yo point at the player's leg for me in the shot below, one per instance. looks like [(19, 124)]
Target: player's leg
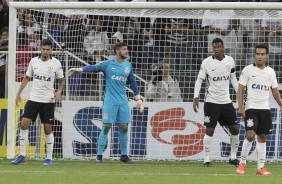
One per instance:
[(29, 114), (46, 113), (123, 118), (264, 128), (228, 117), (212, 112), (109, 115), (251, 120)]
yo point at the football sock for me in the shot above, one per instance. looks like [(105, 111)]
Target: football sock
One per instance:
[(207, 144), (49, 140), (261, 152), (245, 150), (234, 140), (23, 141), (102, 141), (123, 139)]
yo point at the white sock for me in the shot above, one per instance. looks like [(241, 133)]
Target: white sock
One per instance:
[(234, 140), (23, 141), (261, 152), (49, 140), (207, 145), (245, 150)]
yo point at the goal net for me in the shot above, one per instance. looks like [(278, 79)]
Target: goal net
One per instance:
[(167, 43)]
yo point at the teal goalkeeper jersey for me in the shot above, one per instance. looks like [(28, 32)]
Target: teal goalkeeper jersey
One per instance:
[(116, 76)]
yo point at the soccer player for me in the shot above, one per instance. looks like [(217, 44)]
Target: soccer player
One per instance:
[(257, 79), (117, 71), (218, 70), (43, 69)]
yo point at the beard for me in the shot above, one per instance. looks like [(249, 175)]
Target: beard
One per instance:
[(122, 56)]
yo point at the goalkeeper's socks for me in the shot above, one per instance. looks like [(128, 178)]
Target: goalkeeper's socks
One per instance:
[(23, 141), (207, 145), (123, 139), (261, 151), (234, 140), (49, 140), (103, 137), (247, 145)]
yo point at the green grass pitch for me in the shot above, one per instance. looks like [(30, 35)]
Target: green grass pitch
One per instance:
[(141, 172)]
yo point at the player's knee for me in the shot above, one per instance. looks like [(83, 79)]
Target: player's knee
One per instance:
[(250, 136), (210, 131), (25, 123), (261, 138), (234, 130), (106, 128), (123, 129)]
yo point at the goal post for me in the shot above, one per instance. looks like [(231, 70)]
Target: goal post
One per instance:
[(83, 33)]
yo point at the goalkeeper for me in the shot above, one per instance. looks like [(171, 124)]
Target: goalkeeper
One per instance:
[(117, 72)]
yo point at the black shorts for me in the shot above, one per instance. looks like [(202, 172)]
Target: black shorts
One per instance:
[(222, 113), (258, 120), (45, 110)]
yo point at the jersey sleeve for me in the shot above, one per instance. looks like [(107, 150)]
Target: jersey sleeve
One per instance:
[(59, 71), (203, 72), (101, 67), (274, 81), (244, 77), (233, 70), (29, 71)]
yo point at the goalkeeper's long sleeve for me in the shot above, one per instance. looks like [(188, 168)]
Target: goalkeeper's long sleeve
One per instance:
[(90, 68), (134, 87)]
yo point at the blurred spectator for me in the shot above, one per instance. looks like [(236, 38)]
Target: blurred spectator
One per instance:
[(174, 36), (272, 29), (4, 15), (29, 25), (163, 87), (56, 29), (221, 24), (96, 42), (116, 38), (251, 34), (4, 34)]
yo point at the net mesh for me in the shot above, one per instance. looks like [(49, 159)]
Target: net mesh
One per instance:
[(163, 41)]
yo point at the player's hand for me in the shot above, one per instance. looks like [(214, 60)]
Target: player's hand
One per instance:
[(241, 111), (74, 71), (140, 105), (58, 96), (18, 99), (196, 104)]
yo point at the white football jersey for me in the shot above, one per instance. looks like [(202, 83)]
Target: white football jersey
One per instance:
[(258, 82), (44, 74), (217, 74)]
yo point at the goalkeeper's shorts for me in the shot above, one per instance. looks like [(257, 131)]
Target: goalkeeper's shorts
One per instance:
[(116, 114)]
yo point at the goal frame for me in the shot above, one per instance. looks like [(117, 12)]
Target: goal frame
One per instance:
[(13, 6)]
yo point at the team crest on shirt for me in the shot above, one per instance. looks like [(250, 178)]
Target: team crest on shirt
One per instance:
[(49, 69), (206, 119), (250, 122), (105, 116), (126, 70)]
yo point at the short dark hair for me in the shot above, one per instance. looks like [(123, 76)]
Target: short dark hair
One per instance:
[(263, 46), (46, 42), (119, 45), (217, 40)]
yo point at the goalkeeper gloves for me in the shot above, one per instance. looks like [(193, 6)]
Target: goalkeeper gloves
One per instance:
[(140, 105), (74, 71)]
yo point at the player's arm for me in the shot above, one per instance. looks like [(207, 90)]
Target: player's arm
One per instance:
[(22, 86), (134, 87), (90, 68), (61, 84), (277, 97), (197, 89), (240, 99), (233, 80)]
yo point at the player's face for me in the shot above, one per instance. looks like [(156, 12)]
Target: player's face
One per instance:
[(261, 56), (123, 52), (46, 51), (218, 49)]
